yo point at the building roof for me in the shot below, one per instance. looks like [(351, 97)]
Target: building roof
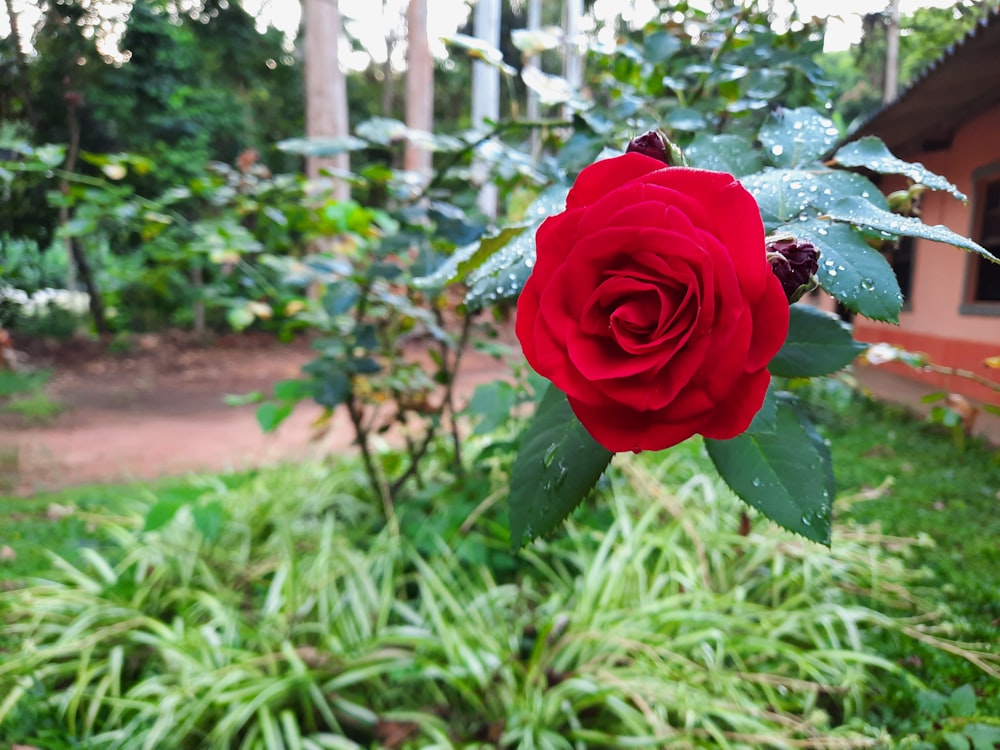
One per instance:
[(962, 83)]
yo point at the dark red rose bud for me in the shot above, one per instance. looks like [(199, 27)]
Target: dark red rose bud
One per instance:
[(651, 143), (795, 263)]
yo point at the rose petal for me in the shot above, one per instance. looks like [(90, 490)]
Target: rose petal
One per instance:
[(603, 176), (621, 430), (733, 415)]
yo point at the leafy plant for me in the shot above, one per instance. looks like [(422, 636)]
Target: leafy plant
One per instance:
[(723, 108), (655, 618)]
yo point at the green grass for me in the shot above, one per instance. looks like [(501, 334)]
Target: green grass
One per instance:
[(287, 583), (930, 487), (23, 393)]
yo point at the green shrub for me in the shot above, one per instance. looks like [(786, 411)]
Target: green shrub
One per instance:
[(286, 613)]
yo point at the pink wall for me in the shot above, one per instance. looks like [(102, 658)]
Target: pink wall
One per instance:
[(933, 323)]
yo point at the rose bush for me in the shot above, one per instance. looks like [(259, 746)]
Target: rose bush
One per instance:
[(652, 306)]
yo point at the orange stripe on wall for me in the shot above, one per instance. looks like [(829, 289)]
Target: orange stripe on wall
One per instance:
[(954, 353)]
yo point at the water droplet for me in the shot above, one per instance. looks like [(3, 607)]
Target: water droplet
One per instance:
[(636, 449), (832, 272), (550, 453), (756, 482), (828, 262), (868, 284), (777, 149), (806, 521)]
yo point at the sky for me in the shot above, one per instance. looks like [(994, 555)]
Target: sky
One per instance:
[(368, 23)]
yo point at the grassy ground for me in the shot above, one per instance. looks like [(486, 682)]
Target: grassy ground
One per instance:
[(929, 486), (932, 487)]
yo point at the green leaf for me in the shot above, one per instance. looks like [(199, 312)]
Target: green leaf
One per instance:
[(782, 475), (871, 153), (983, 736), (797, 136), (955, 741), (332, 389), (292, 390), (660, 46), (556, 467), (239, 317), (787, 194), (482, 51), (685, 118), (493, 403), (962, 701), (850, 270), (818, 343), (723, 153), (502, 276), (321, 146), (163, 512), (467, 259), (382, 130), (862, 213), (242, 399), (766, 420), (209, 519), (931, 703), (271, 414), (822, 447)]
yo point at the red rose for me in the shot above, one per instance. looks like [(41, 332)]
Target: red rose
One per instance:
[(652, 305)]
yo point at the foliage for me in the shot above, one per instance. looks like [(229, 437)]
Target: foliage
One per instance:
[(744, 104), (23, 393), (283, 610), (915, 481), (924, 36)]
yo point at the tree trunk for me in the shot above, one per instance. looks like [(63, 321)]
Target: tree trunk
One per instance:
[(87, 277), (572, 55), (419, 85), (532, 60), (892, 53), (326, 87), (486, 88)]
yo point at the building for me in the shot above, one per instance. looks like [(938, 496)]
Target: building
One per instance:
[(949, 119)]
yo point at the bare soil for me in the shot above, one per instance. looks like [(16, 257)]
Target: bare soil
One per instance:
[(157, 409)]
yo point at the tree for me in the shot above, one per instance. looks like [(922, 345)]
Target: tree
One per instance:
[(419, 84), (326, 85)]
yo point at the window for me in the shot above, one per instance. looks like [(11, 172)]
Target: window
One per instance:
[(983, 280), (900, 257)]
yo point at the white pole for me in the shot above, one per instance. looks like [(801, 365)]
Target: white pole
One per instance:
[(486, 88), (572, 53)]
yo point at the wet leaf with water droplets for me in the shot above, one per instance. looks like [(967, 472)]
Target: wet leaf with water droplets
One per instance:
[(818, 344), (557, 465), (862, 213), (467, 259), (850, 270), (786, 194), (502, 276), (782, 474), (798, 136), (871, 153), (723, 153)]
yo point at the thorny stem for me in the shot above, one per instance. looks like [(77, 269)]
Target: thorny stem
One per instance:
[(497, 130), (449, 390), (958, 372)]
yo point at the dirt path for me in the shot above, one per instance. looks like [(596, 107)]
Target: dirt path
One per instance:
[(158, 410)]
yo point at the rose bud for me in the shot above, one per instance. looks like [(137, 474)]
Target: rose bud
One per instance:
[(795, 263), (652, 144)]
